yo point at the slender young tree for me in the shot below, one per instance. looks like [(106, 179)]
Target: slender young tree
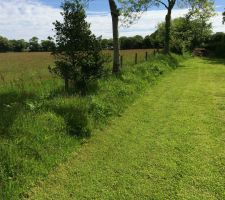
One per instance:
[(77, 54), (115, 13)]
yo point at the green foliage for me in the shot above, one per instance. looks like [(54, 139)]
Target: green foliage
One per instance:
[(200, 10), (186, 34), (168, 145), (216, 45), (21, 45), (157, 37), (34, 46), (78, 52), (106, 43), (18, 45), (4, 44), (40, 126), (131, 10), (126, 43), (74, 112), (135, 42), (37, 142), (113, 98), (48, 45)]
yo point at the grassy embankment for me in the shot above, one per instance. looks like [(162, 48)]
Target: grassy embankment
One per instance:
[(39, 124), (169, 144)]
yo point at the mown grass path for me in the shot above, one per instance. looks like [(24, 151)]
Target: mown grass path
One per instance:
[(169, 145)]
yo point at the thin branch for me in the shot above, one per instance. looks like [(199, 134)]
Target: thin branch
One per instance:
[(162, 3)]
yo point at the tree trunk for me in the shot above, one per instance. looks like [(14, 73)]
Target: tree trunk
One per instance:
[(66, 84), (167, 31), (116, 46)]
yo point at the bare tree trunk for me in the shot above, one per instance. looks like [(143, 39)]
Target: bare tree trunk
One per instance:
[(167, 31), (66, 84), (116, 46)]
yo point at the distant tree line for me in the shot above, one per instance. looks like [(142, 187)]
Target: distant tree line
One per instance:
[(135, 42), (186, 33), (185, 37), (33, 45)]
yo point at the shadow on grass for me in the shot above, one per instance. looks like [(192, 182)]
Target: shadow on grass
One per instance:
[(74, 113), (79, 90), (215, 61), (11, 105), (75, 117), (14, 155)]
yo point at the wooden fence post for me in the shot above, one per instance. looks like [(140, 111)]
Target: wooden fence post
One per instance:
[(136, 56), (146, 56)]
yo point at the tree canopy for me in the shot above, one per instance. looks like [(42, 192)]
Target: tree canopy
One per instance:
[(186, 34), (216, 44), (132, 8), (4, 44)]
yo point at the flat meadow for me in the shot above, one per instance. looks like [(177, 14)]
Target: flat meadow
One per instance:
[(27, 72), (14, 66), (40, 125)]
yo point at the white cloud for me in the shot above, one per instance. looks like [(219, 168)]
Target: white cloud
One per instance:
[(217, 23), (101, 24), (27, 18)]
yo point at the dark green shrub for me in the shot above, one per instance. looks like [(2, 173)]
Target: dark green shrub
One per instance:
[(177, 46), (216, 45), (78, 52)]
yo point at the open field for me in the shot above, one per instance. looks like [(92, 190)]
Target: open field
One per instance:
[(15, 66), (24, 65)]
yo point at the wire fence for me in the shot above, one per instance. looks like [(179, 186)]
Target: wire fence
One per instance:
[(134, 56)]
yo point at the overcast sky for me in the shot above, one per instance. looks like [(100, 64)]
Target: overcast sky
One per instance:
[(22, 19)]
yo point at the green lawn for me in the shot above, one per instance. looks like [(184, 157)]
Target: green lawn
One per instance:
[(170, 144)]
